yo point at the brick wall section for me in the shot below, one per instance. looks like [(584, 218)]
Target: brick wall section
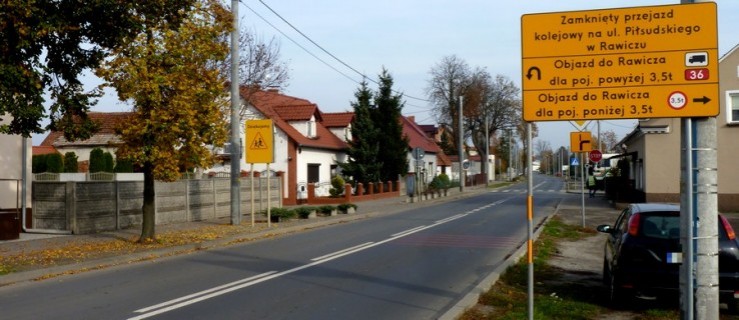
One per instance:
[(362, 193)]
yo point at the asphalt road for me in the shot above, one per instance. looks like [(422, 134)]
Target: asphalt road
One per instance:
[(412, 265)]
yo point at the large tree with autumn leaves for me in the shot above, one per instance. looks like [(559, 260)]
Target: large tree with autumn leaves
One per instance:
[(170, 76)]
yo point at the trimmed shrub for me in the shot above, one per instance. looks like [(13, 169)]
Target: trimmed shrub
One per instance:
[(108, 160), (337, 186), (283, 213), (304, 212), (38, 163), (97, 160), (123, 165), (327, 209), (54, 163), (70, 162), (344, 207), (440, 182)]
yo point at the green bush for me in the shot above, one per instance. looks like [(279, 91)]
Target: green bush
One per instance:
[(337, 186), (70, 162), (108, 160), (327, 209), (304, 212), (54, 163), (440, 182), (283, 213), (38, 163), (97, 160), (344, 207), (123, 165)]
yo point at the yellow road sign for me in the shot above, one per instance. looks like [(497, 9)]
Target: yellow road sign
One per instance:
[(641, 62), (580, 141), (259, 141)]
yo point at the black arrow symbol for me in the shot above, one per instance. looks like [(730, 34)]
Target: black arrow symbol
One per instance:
[(538, 73), (704, 99)]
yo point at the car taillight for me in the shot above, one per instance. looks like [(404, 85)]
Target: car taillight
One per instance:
[(634, 225), (727, 227)]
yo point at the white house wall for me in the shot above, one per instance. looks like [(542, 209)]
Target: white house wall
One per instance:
[(11, 164), (325, 158), (429, 163), (341, 133)]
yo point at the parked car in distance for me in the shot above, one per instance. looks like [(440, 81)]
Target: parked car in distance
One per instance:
[(640, 249)]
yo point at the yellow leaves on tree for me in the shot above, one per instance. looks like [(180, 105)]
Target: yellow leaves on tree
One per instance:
[(176, 91), (170, 76)]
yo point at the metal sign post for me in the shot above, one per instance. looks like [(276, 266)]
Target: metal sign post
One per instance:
[(260, 144)]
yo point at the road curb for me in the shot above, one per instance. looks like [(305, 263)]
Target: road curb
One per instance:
[(472, 297)]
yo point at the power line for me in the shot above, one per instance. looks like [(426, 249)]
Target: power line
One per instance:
[(297, 44), (327, 52)]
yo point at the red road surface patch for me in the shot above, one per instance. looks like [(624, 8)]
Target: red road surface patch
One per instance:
[(457, 241)]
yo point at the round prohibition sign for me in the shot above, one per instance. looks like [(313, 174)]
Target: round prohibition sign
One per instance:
[(677, 100)]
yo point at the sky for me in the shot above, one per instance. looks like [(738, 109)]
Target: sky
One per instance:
[(408, 38)]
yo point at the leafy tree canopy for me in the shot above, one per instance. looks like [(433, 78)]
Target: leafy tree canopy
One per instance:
[(47, 44), (170, 77)]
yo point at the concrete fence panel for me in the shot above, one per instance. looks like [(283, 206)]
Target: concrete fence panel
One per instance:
[(94, 206)]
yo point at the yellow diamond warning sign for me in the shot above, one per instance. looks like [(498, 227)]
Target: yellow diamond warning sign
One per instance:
[(624, 63), (259, 137)]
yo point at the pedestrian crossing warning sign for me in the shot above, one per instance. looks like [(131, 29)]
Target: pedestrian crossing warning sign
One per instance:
[(259, 136), (258, 143), (575, 162)]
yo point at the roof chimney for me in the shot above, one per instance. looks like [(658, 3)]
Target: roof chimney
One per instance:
[(412, 119)]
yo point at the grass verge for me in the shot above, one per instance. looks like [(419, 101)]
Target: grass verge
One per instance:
[(554, 298)]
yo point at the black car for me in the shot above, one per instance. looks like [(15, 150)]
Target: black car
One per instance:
[(639, 252)]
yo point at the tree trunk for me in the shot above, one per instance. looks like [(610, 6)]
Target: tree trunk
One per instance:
[(148, 222)]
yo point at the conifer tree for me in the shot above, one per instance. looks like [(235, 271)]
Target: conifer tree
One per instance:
[(362, 164), (70, 162), (386, 115)]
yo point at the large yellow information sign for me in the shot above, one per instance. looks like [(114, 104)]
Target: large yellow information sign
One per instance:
[(641, 62), (259, 141)]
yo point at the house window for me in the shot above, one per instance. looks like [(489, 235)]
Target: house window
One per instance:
[(732, 106), (314, 172), (312, 128)]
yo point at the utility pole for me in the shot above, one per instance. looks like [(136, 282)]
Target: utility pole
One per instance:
[(460, 152), (699, 238), (235, 128), (510, 154), (487, 151)]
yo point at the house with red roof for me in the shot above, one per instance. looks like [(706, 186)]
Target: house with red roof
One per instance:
[(340, 124), (434, 161), (306, 150), (308, 144), (105, 139)]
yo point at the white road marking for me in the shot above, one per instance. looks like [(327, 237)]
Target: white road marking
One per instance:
[(341, 251), (247, 282)]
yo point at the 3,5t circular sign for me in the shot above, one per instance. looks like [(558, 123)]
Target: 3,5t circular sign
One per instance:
[(677, 100)]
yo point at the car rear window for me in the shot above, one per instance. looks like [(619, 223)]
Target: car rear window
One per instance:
[(661, 226)]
